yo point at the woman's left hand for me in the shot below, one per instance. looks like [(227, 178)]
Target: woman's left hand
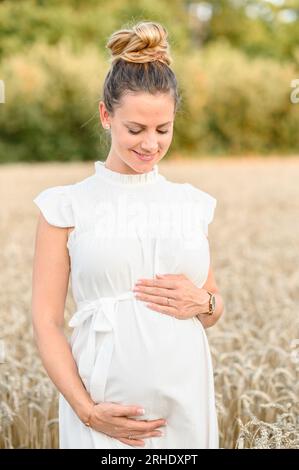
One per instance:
[(185, 299)]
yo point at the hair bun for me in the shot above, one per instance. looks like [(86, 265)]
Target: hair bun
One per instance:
[(144, 42)]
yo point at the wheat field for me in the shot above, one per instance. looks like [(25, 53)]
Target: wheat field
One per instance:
[(255, 257)]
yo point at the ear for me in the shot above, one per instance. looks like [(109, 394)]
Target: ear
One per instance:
[(104, 115)]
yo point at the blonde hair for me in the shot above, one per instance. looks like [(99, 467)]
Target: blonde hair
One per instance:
[(140, 62), (145, 42)]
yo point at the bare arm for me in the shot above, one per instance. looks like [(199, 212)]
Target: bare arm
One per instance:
[(50, 278)]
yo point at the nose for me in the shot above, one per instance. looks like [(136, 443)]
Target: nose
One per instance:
[(150, 146)]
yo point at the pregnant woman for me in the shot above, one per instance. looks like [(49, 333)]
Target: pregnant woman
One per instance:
[(137, 370)]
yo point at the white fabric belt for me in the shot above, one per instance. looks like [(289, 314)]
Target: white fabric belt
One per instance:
[(93, 365)]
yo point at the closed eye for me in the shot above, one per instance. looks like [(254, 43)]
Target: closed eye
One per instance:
[(160, 132)]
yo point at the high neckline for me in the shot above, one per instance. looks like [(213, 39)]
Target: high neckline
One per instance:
[(115, 177)]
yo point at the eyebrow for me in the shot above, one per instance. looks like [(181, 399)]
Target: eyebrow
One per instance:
[(142, 125)]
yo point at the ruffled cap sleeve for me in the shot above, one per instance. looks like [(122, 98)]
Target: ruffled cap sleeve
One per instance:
[(205, 204), (56, 206)]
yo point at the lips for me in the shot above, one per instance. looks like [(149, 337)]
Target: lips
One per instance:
[(145, 157)]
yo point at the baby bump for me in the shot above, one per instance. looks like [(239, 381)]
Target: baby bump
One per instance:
[(157, 360)]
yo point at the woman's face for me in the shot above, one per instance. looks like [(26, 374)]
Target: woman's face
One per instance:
[(143, 124)]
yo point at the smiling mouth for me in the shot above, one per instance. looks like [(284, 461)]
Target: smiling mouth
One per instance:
[(145, 155)]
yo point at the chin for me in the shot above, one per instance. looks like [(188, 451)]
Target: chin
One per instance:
[(141, 168)]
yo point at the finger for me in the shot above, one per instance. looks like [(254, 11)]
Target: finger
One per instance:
[(148, 434), (168, 274), (134, 426), (144, 426), (171, 276), (158, 291), (138, 438), (169, 308), (132, 442), (157, 299), (120, 410), (168, 283)]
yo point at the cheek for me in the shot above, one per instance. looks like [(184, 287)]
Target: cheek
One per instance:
[(168, 139), (125, 139)]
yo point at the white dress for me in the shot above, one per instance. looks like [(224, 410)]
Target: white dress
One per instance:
[(129, 227)]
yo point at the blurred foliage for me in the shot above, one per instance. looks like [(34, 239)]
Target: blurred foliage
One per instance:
[(51, 101), (26, 22), (234, 73), (257, 27), (254, 26), (235, 104)]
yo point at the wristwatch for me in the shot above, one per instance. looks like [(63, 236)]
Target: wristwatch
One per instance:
[(212, 304)]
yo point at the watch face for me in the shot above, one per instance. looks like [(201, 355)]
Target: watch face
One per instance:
[(213, 300)]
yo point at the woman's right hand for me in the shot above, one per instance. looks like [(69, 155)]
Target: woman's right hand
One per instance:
[(114, 420)]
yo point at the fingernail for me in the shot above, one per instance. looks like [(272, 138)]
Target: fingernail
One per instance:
[(141, 411)]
